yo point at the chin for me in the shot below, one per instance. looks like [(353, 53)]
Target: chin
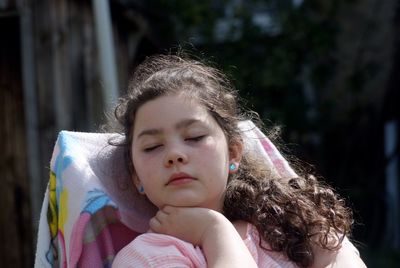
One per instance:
[(186, 202)]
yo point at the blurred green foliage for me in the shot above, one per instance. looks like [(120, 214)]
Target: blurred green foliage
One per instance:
[(269, 63)]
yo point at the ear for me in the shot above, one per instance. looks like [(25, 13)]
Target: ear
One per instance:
[(137, 183), (235, 154)]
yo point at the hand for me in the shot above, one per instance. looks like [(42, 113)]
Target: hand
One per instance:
[(192, 224), (221, 243)]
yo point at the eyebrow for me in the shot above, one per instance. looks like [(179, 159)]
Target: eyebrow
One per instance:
[(156, 131)]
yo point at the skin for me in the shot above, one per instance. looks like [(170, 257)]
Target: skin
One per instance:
[(174, 135)]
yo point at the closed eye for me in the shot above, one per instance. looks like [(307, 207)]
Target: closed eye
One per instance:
[(151, 148), (197, 138)]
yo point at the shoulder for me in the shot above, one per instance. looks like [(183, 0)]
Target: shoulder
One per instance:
[(158, 250), (346, 256)]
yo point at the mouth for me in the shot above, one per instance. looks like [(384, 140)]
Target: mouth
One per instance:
[(179, 178)]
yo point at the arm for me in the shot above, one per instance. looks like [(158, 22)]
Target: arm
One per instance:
[(221, 243), (346, 257)]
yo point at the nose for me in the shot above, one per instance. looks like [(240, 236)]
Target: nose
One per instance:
[(175, 156)]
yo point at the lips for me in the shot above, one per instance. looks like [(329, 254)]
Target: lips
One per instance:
[(179, 178)]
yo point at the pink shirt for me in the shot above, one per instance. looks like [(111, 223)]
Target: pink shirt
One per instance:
[(164, 251)]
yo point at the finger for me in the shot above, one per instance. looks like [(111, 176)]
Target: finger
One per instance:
[(168, 209), (161, 216), (155, 225)]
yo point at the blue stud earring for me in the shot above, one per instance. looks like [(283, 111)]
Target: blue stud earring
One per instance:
[(232, 167), (141, 189)]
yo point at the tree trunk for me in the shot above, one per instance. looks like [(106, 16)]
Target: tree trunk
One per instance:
[(15, 218)]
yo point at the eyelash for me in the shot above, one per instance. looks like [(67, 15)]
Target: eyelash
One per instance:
[(198, 138), (148, 150), (194, 139)]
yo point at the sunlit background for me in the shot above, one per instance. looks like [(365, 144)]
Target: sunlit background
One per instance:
[(327, 72)]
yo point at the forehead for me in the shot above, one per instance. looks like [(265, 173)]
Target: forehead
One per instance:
[(167, 111)]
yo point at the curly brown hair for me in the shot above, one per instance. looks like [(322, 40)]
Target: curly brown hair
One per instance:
[(292, 215)]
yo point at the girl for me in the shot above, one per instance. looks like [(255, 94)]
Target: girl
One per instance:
[(218, 205)]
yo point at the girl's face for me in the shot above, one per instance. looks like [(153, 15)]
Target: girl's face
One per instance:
[(180, 154)]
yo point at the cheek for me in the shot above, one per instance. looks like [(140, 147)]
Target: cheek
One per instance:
[(215, 161), (144, 165), (215, 152)]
